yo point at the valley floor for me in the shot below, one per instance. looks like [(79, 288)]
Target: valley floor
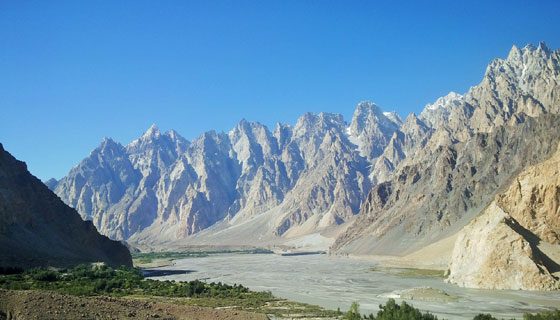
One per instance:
[(335, 282)]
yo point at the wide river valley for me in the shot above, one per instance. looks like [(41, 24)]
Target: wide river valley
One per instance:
[(334, 282)]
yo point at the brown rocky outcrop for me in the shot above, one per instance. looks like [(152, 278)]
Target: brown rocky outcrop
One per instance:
[(500, 248)]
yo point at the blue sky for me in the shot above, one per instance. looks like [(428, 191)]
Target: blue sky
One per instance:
[(73, 72)]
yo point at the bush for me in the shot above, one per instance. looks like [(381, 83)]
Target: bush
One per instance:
[(354, 312), (546, 315), (392, 311), (43, 275)]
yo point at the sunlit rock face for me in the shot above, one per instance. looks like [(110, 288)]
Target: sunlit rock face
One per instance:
[(501, 248), (162, 187), (442, 168)]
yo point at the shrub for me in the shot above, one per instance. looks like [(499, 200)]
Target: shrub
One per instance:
[(392, 311), (546, 315), (354, 312), (43, 275)]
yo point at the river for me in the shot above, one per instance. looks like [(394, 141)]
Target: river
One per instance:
[(334, 282)]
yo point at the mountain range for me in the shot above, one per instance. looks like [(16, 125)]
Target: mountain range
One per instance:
[(375, 185)]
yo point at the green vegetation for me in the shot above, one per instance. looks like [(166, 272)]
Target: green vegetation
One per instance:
[(354, 312), (102, 280), (390, 311), (393, 311), (86, 280), (546, 315), (149, 257), (484, 316)]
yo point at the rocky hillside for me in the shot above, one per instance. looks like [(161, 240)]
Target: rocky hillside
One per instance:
[(38, 229), (512, 244), (444, 166)]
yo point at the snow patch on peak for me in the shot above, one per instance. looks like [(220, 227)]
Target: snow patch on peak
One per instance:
[(445, 101), (393, 116)]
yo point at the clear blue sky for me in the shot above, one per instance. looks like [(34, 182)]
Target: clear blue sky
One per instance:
[(73, 72)]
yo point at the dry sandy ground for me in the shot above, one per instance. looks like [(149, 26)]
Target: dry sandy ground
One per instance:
[(49, 305), (434, 257)]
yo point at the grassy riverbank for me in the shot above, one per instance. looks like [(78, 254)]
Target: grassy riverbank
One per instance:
[(100, 280)]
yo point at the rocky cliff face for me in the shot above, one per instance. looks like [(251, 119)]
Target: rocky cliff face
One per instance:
[(500, 248), (464, 149), (495, 252), (38, 229)]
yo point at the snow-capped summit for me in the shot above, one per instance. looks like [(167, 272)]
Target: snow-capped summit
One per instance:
[(446, 101), (437, 113)]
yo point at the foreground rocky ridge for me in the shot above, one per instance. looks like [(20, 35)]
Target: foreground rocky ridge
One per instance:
[(38, 229), (501, 249)]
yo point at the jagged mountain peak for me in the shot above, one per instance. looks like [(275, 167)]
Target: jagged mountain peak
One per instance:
[(369, 114), (367, 107), (244, 125), (108, 145), (540, 48), (318, 122), (371, 129), (411, 118), (522, 60), (154, 136), (153, 131), (367, 110)]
